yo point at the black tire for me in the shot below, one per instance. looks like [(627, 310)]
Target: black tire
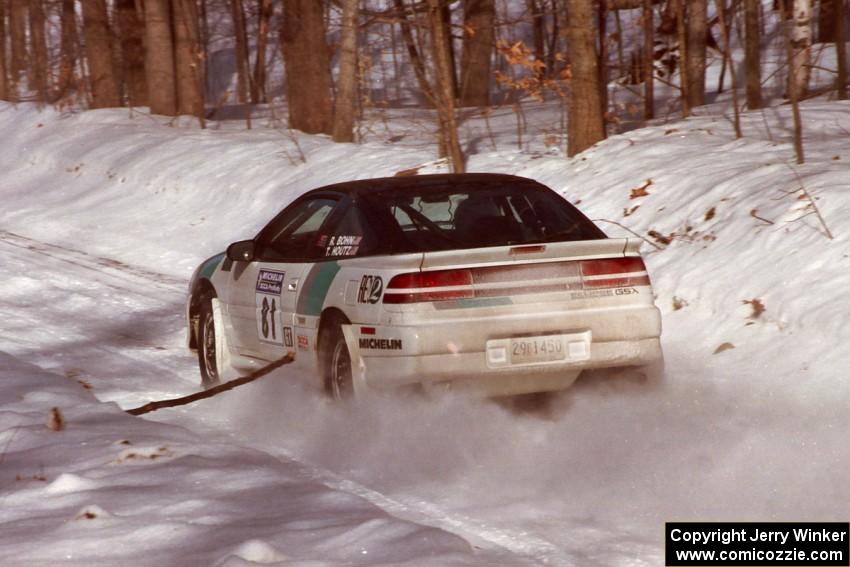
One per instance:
[(336, 363), (207, 346)]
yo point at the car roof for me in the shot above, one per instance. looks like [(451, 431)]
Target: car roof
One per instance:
[(379, 184)]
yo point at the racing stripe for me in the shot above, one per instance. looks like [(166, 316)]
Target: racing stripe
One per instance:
[(315, 287), (209, 266)]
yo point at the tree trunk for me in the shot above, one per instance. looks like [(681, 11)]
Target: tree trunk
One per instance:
[(585, 124), (18, 44), (841, 55), (159, 58), (449, 142), (346, 91), (788, 25), (683, 57), (695, 62), (826, 20), (38, 42), (413, 53), (305, 54), (801, 48), (475, 67), (187, 59), (3, 73), (753, 53), (69, 49), (258, 85), (539, 31), (104, 86), (243, 77), (648, 61), (131, 31), (446, 16), (727, 57)]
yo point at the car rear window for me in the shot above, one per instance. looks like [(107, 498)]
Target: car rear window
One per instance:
[(432, 218)]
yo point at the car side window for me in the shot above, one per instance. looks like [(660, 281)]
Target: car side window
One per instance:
[(293, 235), (352, 236)]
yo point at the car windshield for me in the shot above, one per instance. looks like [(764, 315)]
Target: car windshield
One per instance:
[(433, 218)]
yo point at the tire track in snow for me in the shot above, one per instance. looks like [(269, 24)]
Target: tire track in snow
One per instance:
[(512, 546)]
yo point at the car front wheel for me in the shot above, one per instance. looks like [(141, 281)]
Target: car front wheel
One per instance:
[(207, 346)]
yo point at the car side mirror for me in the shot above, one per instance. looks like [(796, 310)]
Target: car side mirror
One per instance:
[(242, 251)]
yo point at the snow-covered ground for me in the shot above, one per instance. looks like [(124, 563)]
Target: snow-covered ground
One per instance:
[(106, 213)]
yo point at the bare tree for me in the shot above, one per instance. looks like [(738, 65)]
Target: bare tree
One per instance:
[(449, 141), (826, 20), (159, 58), (585, 124), (683, 56), (346, 91), (695, 62), (131, 33), (476, 60), (841, 49), (243, 75), (801, 46), (307, 60), (258, 85), (102, 80), (648, 61), (752, 53), (38, 42), (3, 80), (788, 33), (413, 52), (18, 44), (727, 58), (69, 49), (187, 60)]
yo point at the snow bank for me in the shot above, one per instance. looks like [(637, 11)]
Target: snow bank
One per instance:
[(108, 489)]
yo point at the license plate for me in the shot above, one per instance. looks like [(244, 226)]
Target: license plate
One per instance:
[(527, 350), (519, 351)]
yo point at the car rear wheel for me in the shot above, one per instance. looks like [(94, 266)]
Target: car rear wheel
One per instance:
[(207, 345), (336, 364)]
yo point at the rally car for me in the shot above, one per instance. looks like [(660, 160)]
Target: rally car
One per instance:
[(483, 282)]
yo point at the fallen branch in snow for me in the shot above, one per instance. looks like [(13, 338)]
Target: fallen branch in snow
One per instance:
[(631, 231), (815, 208), (159, 404)]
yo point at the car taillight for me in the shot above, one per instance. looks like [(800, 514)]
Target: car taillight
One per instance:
[(440, 285), (614, 272)]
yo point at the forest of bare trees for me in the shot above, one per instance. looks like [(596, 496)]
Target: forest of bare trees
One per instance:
[(319, 56)]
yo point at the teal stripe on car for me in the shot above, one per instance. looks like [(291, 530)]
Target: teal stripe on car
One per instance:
[(208, 267), (315, 288), (468, 303)]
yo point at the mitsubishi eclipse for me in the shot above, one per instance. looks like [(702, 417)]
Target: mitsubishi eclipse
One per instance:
[(484, 282)]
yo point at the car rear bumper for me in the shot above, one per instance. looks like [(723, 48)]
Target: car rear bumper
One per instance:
[(457, 351)]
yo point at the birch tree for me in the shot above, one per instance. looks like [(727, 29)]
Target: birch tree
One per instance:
[(799, 69)]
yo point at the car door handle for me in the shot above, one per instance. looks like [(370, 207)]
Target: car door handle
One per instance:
[(292, 285)]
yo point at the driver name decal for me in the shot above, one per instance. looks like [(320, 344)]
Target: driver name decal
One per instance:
[(343, 246)]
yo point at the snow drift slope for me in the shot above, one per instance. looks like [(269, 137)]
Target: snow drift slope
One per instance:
[(751, 432)]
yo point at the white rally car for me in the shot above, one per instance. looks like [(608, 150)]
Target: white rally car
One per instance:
[(486, 282)]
